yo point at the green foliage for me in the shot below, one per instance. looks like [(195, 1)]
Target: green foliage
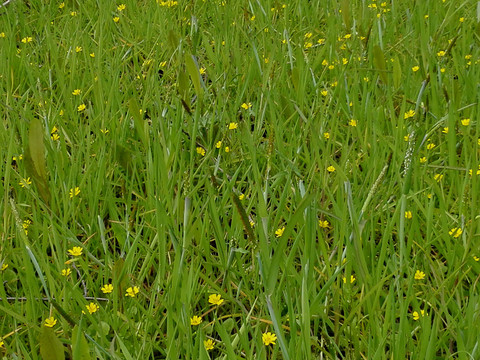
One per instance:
[(313, 163)]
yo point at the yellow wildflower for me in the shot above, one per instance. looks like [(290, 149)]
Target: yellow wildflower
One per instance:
[(209, 344), (50, 322), (215, 299), (456, 232), (74, 192), (107, 288), (279, 232), (269, 338), (92, 307), (75, 251), (132, 291), (419, 275), (195, 320)]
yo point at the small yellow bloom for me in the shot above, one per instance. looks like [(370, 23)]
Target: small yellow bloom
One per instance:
[(430, 146), (331, 67), (269, 338), (27, 39), (107, 288), (25, 182), (246, 106), (441, 53), (279, 232), (78, 49), (445, 130), (227, 149), (408, 214), (438, 177), (81, 107), (4, 266), (73, 13), (331, 168), (415, 68), (456, 232), (326, 135), (462, 19), (324, 92), (202, 71), (423, 160), (218, 145), (323, 223), (409, 114), (116, 19), (76, 251), (76, 92), (241, 197), (352, 279), (50, 322), (104, 131), (465, 122), (476, 258), (352, 122), (416, 315), (201, 151), (66, 272), (195, 320), (121, 7), (74, 192), (132, 291), (2, 34), (215, 299), (419, 275), (92, 54), (209, 344), (232, 126), (92, 307)]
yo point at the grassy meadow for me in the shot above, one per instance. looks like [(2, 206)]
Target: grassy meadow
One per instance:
[(225, 179)]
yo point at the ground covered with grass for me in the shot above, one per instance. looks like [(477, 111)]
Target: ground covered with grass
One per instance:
[(240, 179)]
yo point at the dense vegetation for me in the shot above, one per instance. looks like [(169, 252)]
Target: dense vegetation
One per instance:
[(240, 179)]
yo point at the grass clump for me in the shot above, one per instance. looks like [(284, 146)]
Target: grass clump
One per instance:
[(251, 180)]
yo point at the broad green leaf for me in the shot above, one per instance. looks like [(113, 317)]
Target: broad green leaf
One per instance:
[(379, 61), (347, 19), (183, 87), (124, 157), (397, 73), (194, 74), (173, 39), (140, 124), (51, 347), (35, 159), (80, 348), (295, 78)]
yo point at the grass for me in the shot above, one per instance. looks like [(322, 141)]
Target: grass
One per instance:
[(313, 163)]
